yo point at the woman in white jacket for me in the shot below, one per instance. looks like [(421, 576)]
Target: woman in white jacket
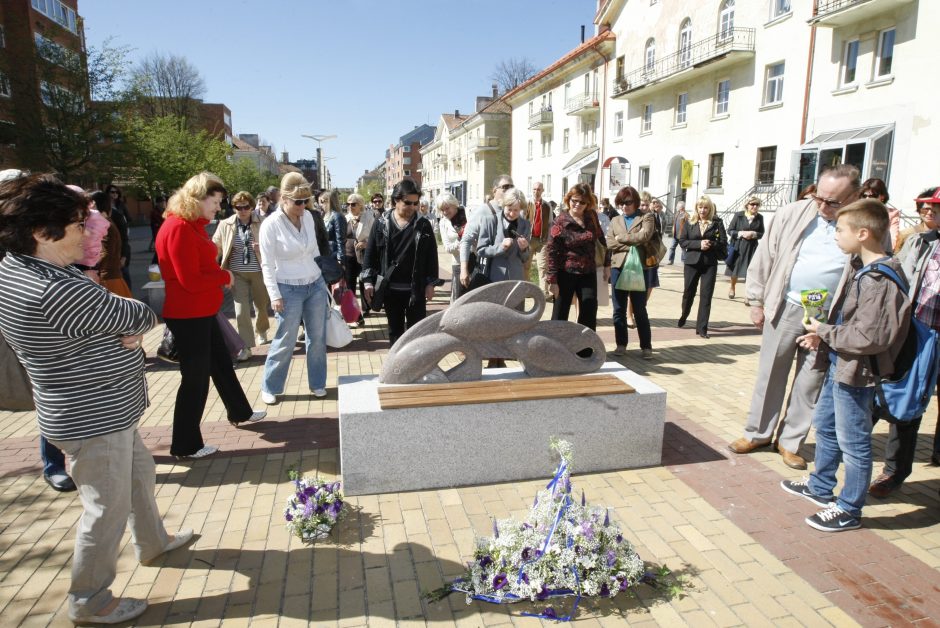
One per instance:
[(359, 220), (452, 223)]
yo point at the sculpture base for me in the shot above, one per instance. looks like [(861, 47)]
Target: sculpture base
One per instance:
[(408, 449)]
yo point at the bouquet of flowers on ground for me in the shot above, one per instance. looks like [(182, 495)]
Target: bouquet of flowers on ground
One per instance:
[(562, 548), (314, 508)]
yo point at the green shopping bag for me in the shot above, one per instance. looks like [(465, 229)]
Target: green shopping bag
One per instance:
[(631, 275)]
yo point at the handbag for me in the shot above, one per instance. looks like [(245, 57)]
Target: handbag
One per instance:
[(167, 349), (655, 251), (632, 278), (481, 273), (331, 269), (17, 390), (732, 257), (600, 248), (381, 281), (347, 304), (338, 334), (233, 342)]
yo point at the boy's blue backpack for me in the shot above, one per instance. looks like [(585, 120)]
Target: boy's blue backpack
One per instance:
[(904, 395)]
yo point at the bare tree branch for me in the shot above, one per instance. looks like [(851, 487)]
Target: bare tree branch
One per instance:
[(511, 73), (168, 85)]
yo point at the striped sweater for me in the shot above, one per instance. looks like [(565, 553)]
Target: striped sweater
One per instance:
[(66, 330)]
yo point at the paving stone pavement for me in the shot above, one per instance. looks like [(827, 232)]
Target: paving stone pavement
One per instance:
[(718, 519)]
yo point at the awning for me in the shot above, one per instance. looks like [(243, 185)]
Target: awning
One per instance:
[(615, 159), (584, 157), (848, 135)]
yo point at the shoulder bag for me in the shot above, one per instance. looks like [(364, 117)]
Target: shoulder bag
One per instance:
[(480, 275), (381, 281)]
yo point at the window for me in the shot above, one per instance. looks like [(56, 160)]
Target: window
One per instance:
[(620, 68), (406, 161), (5, 86), (548, 182), (722, 96), (685, 43), (3, 37), (567, 90), (404, 149), (726, 20), (618, 125), (407, 173), (529, 184), (779, 8), (885, 53), (646, 122), (546, 145), (766, 164), (531, 108), (682, 101), (716, 164), (46, 93), (849, 62), (564, 140), (773, 92), (650, 55), (57, 11), (530, 149), (643, 177)]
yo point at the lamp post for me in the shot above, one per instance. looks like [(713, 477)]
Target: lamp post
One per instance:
[(319, 139)]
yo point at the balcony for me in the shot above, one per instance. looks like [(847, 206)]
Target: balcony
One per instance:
[(836, 13), (485, 144), (583, 105), (721, 49), (541, 120)]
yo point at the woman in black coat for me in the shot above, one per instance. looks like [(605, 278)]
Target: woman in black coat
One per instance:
[(704, 241), (404, 237), (746, 228)]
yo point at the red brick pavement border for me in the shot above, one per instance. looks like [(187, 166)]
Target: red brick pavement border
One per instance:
[(869, 578)]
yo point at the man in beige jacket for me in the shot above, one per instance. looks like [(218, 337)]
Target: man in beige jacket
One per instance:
[(797, 253)]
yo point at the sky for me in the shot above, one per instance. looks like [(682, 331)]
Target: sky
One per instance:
[(367, 71)]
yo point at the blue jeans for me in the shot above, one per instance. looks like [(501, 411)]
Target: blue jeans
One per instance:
[(53, 460), (301, 303), (843, 435), (619, 301)]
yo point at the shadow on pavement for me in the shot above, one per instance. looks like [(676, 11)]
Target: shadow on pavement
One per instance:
[(680, 447)]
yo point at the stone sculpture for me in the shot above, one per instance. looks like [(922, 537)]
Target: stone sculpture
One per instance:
[(490, 322)]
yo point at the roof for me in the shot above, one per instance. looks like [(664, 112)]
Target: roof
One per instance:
[(574, 54), (241, 144), (451, 120)]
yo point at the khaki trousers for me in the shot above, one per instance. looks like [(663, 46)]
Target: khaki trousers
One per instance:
[(777, 352), (249, 287), (115, 475), (538, 254)]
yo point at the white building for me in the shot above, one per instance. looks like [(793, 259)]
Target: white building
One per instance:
[(440, 169), (558, 119)]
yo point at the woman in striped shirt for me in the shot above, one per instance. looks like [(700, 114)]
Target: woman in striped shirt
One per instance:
[(80, 346)]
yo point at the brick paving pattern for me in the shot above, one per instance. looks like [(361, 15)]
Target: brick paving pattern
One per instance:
[(720, 520)]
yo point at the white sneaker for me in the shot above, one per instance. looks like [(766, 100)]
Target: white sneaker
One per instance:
[(268, 398), (262, 339), (319, 393), (256, 416), (243, 355), (208, 450)]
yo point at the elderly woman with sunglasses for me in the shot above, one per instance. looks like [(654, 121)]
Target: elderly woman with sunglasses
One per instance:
[(237, 239), (359, 221), (744, 232), (295, 284)]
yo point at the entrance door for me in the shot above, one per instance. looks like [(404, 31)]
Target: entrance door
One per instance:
[(674, 181)]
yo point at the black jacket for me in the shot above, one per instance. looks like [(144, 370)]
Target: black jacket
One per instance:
[(379, 254), (690, 239)]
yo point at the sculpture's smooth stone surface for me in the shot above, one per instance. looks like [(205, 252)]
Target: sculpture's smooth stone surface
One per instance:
[(491, 322)]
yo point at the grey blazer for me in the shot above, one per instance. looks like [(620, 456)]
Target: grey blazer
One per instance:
[(506, 264)]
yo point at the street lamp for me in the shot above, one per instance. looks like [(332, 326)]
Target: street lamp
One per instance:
[(319, 139)]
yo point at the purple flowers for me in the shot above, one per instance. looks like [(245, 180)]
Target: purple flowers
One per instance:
[(314, 508), (499, 581), (611, 558), (485, 561), (550, 613)]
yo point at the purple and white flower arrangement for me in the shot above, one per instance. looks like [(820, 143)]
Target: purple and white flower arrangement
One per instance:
[(564, 547), (314, 508)]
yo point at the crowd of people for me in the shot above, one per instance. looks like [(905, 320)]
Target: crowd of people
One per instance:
[(67, 313)]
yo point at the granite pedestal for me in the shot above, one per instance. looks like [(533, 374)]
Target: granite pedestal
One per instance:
[(409, 449)]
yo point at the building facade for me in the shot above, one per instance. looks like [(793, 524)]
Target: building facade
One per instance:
[(559, 121), (439, 168), (404, 158)]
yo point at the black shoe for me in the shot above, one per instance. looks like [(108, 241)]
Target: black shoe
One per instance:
[(681, 322), (801, 489), (60, 482), (935, 460), (833, 519), (703, 335)]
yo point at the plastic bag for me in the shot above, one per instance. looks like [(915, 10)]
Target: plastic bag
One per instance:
[(631, 274), (814, 305)]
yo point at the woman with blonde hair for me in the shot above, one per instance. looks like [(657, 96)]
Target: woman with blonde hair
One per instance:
[(239, 252), (704, 241), (194, 285), (295, 284)]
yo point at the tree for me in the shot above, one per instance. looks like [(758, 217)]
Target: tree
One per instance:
[(168, 85), (243, 175), (69, 126), (511, 73), (164, 153), (370, 188)]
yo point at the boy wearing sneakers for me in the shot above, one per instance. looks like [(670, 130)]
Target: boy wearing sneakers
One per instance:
[(872, 319)]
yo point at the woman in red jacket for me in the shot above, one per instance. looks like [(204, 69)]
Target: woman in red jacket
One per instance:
[(194, 285)]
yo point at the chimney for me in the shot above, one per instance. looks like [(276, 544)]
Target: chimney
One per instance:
[(456, 113), (582, 33), (284, 158), (495, 90)]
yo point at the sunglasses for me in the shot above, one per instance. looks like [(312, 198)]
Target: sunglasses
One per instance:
[(243, 208), (826, 201), (376, 200), (411, 203), (506, 186), (628, 202), (353, 204), (299, 201)]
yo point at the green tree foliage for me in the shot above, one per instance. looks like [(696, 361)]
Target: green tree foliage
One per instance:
[(243, 175), (164, 153), (370, 188)]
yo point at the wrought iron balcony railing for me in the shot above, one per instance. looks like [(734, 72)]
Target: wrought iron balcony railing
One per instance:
[(541, 119)]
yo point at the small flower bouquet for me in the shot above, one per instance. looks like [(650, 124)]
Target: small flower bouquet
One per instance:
[(314, 508), (562, 548)]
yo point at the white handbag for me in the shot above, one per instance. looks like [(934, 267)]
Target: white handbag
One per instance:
[(338, 334)]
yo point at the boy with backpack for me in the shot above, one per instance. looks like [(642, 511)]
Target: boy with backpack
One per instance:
[(872, 319)]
